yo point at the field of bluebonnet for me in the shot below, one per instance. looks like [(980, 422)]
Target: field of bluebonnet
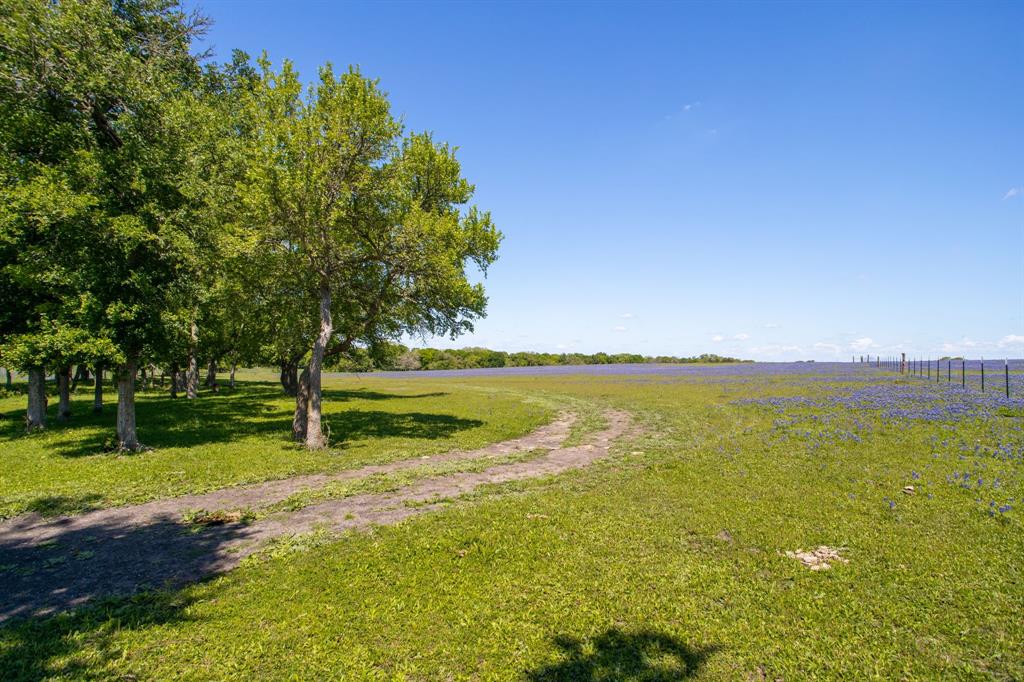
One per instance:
[(762, 522)]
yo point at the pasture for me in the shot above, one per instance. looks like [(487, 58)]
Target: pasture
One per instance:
[(672, 552)]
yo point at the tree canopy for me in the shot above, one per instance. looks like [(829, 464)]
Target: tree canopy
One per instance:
[(157, 208)]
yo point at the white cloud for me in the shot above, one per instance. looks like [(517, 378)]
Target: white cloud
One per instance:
[(863, 343), (965, 344), (1012, 192), (684, 109), (627, 316), (771, 325), (718, 337), (774, 350), (741, 336), (618, 328), (830, 347)]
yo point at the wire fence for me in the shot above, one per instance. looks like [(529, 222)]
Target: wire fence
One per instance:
[(986, 375)]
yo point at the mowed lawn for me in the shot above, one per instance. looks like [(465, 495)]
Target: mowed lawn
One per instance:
[(667, 560), (236, 437)]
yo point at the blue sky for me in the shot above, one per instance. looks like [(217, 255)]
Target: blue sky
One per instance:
[(773, 181)]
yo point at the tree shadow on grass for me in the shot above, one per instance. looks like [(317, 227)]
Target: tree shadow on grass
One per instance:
[(46, 648), (365, 394), (52, 647), (645, 656), (257, 410), (359, 425), (117, 576), (61, 505)]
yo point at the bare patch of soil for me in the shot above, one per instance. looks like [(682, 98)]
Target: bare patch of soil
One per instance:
[(54, 564), (820, 559)]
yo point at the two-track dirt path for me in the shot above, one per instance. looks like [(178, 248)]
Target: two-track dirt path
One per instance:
[(53, 564)]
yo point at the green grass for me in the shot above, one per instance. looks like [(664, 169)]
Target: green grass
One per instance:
[(240, 437), (388, 482), (622, 571)]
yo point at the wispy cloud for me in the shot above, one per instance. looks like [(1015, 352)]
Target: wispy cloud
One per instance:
[(863, 343), (627, 316), (771, 325), (966, 345), (973, 348), (775, 350), (618, 328), (686, 108), (1013, 192), (742, 336), (718, 337), (830, 347)]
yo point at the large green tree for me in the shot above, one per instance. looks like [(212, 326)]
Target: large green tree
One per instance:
[(99, 102), (374, 221)]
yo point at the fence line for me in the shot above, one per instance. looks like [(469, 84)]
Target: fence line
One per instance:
[(919, 367)]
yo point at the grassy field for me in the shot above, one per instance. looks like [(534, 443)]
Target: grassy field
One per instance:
[(240, 436), (665, 561)]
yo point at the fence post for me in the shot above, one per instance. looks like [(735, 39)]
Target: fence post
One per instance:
[(983, 375), (949, 370), (963, 373), (1006, 370)]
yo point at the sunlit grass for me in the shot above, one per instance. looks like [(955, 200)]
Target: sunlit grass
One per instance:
[(239, 437), (668, 559)]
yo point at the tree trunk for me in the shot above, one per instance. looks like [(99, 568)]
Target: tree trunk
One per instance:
[(233, 368), (127, 439), (144, 377), (290, 377), (192, 378), (97, 391), (35, 418), (301, 407), (315, 439), (81, 374), (211, 374), (64, 391), (174, 380), (7, 370)]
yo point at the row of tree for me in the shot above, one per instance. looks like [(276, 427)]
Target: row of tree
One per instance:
[(474, 358), (160, 209)]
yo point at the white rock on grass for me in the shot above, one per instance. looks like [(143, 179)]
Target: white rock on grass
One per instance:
[(818, 559)]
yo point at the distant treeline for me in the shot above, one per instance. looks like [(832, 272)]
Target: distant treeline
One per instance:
[(399, 357)]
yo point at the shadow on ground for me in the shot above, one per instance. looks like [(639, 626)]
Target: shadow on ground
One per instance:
[(258, 409), (59, 505), (82, 564), (46, 648), (357, 425), (616, 655)]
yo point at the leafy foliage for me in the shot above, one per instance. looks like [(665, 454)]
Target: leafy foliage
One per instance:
[(475, 358)]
